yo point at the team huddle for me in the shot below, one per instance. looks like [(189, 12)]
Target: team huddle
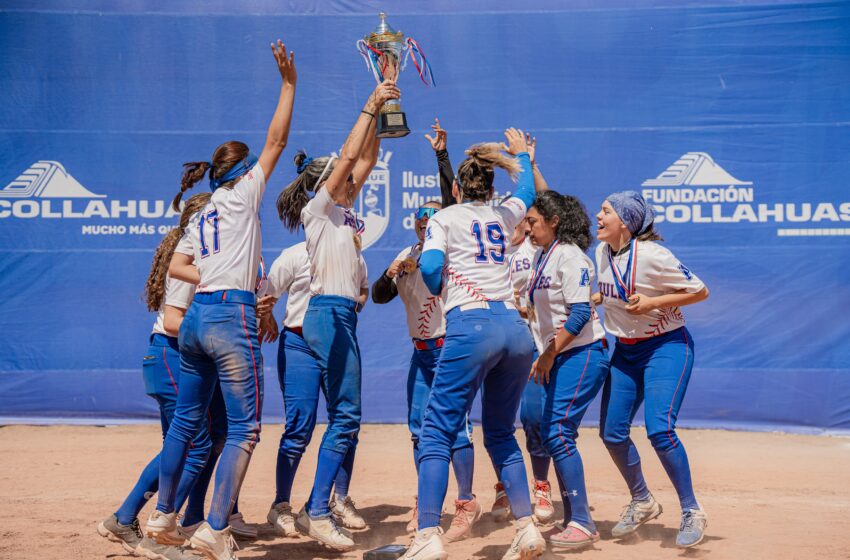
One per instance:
[(499, 299)]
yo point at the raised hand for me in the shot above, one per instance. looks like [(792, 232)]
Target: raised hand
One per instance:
[(438, 141), (531, 142), (285, 64), (384, 91), (516, 141)]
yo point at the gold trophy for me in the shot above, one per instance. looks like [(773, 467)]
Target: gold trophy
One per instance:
[(386, 52)]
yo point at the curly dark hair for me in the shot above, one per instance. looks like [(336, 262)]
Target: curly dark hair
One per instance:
[(573, 222)]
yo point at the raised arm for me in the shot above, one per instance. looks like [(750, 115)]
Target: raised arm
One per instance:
[(337, 184), (518, 147), (444, 164), (279, 127), (368, 157), (540, 184)]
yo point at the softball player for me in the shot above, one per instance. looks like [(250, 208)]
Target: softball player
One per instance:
[(218, 336), (300, 382), (642, 286), (487, 344), (170, 298), (333, 246), (426, 323), (573, 361)]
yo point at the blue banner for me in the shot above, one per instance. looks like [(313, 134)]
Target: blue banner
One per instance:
[(732, 118)]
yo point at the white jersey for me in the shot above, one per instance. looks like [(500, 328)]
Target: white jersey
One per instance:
[(290, 273), (425, 315), (334, 254), (474, 237), (521, 259), (178, 294), (224, 237), (562, 279), (658, 273)]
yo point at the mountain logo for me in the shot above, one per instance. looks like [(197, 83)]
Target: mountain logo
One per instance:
[(46, 179), (695, 169)]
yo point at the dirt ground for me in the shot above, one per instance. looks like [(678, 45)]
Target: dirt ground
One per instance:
[(771, 496)]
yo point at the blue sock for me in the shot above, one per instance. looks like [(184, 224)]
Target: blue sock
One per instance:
[(540, 467), (676, 464), (346, 470), (433, 483), (228, 480), (571, 471), (235, 509), (463, 462), (568, 513), (515, 480), (627, 459), (416, 455), (326, 470), (140, 494), (171, 461), (284, 476), (194, 512)]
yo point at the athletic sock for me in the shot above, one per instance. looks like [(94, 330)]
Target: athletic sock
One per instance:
[(463, 463), (327, 468)]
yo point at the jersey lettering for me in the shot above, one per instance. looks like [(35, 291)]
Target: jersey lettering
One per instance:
[(212, 218), (585, 277), (496, 239)]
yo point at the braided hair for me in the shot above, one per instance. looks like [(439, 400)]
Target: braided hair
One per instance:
[(225, 156)]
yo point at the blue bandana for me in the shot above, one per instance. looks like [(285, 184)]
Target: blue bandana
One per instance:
[(633, 210), (234, 172), (307, 161)]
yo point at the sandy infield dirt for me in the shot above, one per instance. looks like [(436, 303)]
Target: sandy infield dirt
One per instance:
[(768, 495)]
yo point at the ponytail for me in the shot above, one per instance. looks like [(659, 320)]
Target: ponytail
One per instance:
[(475, 174), (192, 173), (292, 199)]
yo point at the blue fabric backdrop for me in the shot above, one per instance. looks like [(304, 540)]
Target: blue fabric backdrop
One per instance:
[(733, 117)]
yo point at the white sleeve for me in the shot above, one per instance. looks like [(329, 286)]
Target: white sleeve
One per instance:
[(436, 236), (184, 246), (178, 294), (320, 206), (251, 186), (576, 277), (512, 211), (364, 274), (670, 274), (281, 276)]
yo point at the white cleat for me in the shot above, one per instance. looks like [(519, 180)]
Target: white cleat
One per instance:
[(162, 527), (324, 530), (426, 545), (241, 529), (346, 513), (528, 542), (281, 518), (214, 545)]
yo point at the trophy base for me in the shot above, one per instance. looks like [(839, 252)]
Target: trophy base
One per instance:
[(392, 125)]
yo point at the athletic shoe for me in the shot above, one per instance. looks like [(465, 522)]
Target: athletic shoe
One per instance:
[(413, 524), (692, 529), (152, 550), (501, 506), (281, 518), (214, 545), (575, 536), (544, 511), (324, 530), (467, 512), (346, 514), (162, 527), (528, 542), (426, 545), (188, 530), (128, 535), (634, 515), (240, 529)]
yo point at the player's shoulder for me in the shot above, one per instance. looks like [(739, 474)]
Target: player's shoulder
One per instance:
[(404, 253), (445, 215), (570, 251), (653, 249)]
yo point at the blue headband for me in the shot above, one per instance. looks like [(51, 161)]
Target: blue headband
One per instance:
[(307, 161), (633, 210), (234, 172)]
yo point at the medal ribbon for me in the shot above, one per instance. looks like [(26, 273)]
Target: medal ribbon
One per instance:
[(625, 283), (539, 267)]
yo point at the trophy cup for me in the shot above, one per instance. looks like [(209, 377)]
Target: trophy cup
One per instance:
[(386, 52)]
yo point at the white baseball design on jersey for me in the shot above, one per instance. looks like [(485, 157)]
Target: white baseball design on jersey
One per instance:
[(658, 273), (225, 237), (521, 260), (290, 273), (334, 256), (565, 278), (178, 294), (425, 315), (475, 237)]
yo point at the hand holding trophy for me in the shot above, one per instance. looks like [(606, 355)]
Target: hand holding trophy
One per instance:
[(386, 52)]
